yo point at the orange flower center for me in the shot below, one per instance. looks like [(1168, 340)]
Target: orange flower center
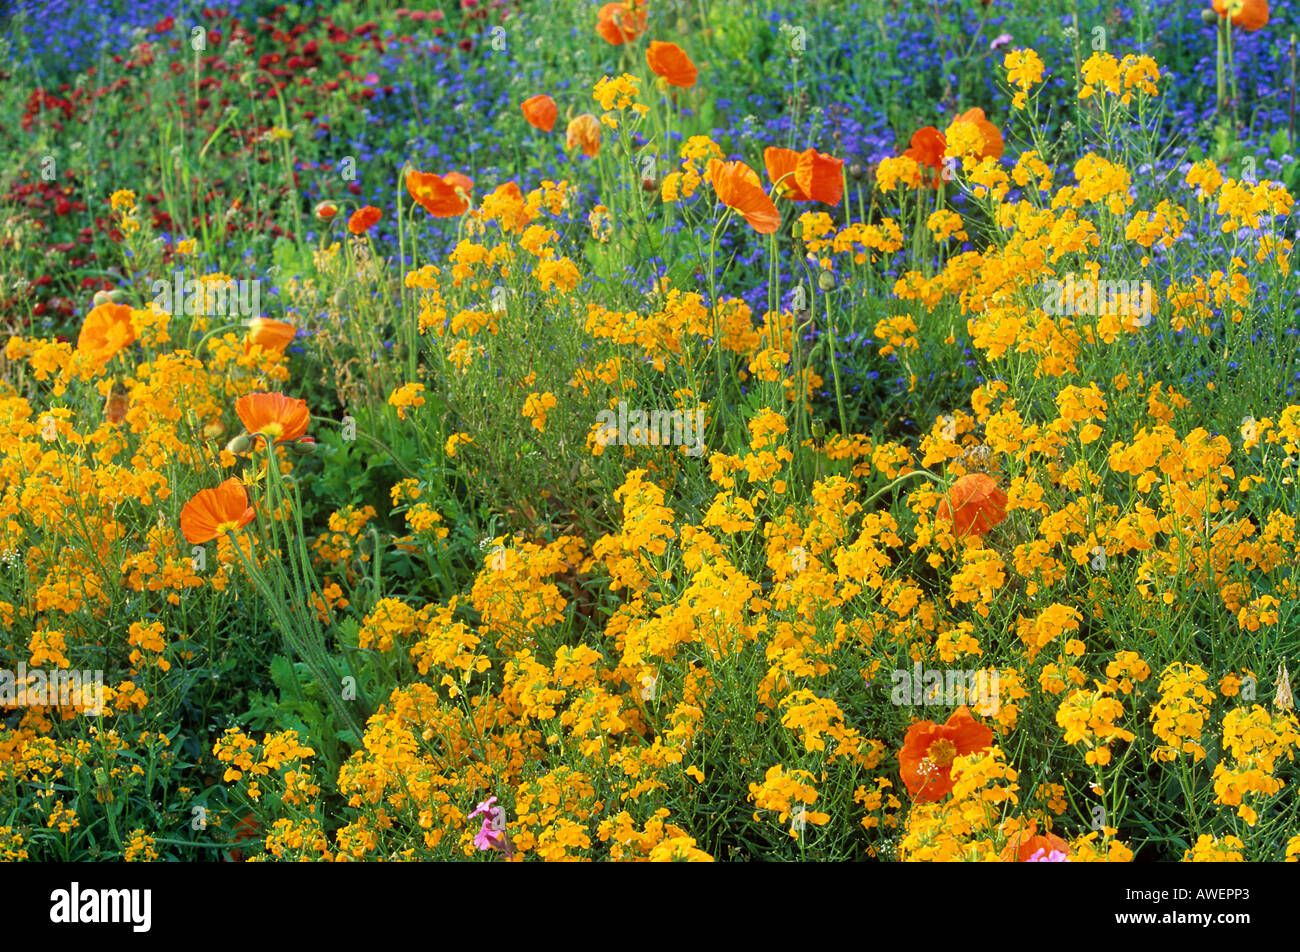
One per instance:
[(942, 752)]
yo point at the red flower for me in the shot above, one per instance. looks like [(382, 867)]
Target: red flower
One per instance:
[(974, 504), (363, 219), (738, 187), (442, 196), (1250, 15), (620, 23), (540, 112), (929, 749), (1029, 841), (810, 176), (993, 144), (927, 148), (668, 60)]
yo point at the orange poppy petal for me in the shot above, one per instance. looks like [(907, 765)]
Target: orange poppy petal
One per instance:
[(669, 61), (781, 163), (541, 112), (820, 177), (738, 187)]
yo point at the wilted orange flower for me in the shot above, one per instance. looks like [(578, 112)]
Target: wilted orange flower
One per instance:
[(540, 111), (214, 512), (669, 61), (1250, 15), (927, 148), (977, 502), (993, 143), (738, 187), (269, 334), (1029, 841), (584, 132), (363, 219), (925, 762), (620, 23), (106, 330), (442, 196), (282, 419), (813, 176)]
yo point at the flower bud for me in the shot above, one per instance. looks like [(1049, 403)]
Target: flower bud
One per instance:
[(856, 172), (826, 280), (101, 297), (818, 429), (305, 446), (1208, 15), (240, 444), (326, 210)]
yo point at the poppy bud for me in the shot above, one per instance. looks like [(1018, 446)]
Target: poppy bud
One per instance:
[(856, 172), (305, 447), (1209, 16), (116, 295), (818, 429), (326, 210), (340, 298), (101, 297), (826, 280), (239, 445)]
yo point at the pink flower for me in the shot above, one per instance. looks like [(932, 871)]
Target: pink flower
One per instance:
[(492, 834), (1042, 856)]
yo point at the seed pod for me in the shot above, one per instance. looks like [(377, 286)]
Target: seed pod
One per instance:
[(240, 444), (1208, 15)]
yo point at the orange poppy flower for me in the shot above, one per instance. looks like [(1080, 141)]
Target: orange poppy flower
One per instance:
[(363, 219), (248, 828), (541, 112), (584, 132), (442, 196), (1250, 15), (925, 762), (269, 335), (106, 330), (738, 187), (813, 176), (927, 148), (214, 512), (1029, 841), (993, 143), (620, 23), (668, 60), (974, 504), (282, 419)]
